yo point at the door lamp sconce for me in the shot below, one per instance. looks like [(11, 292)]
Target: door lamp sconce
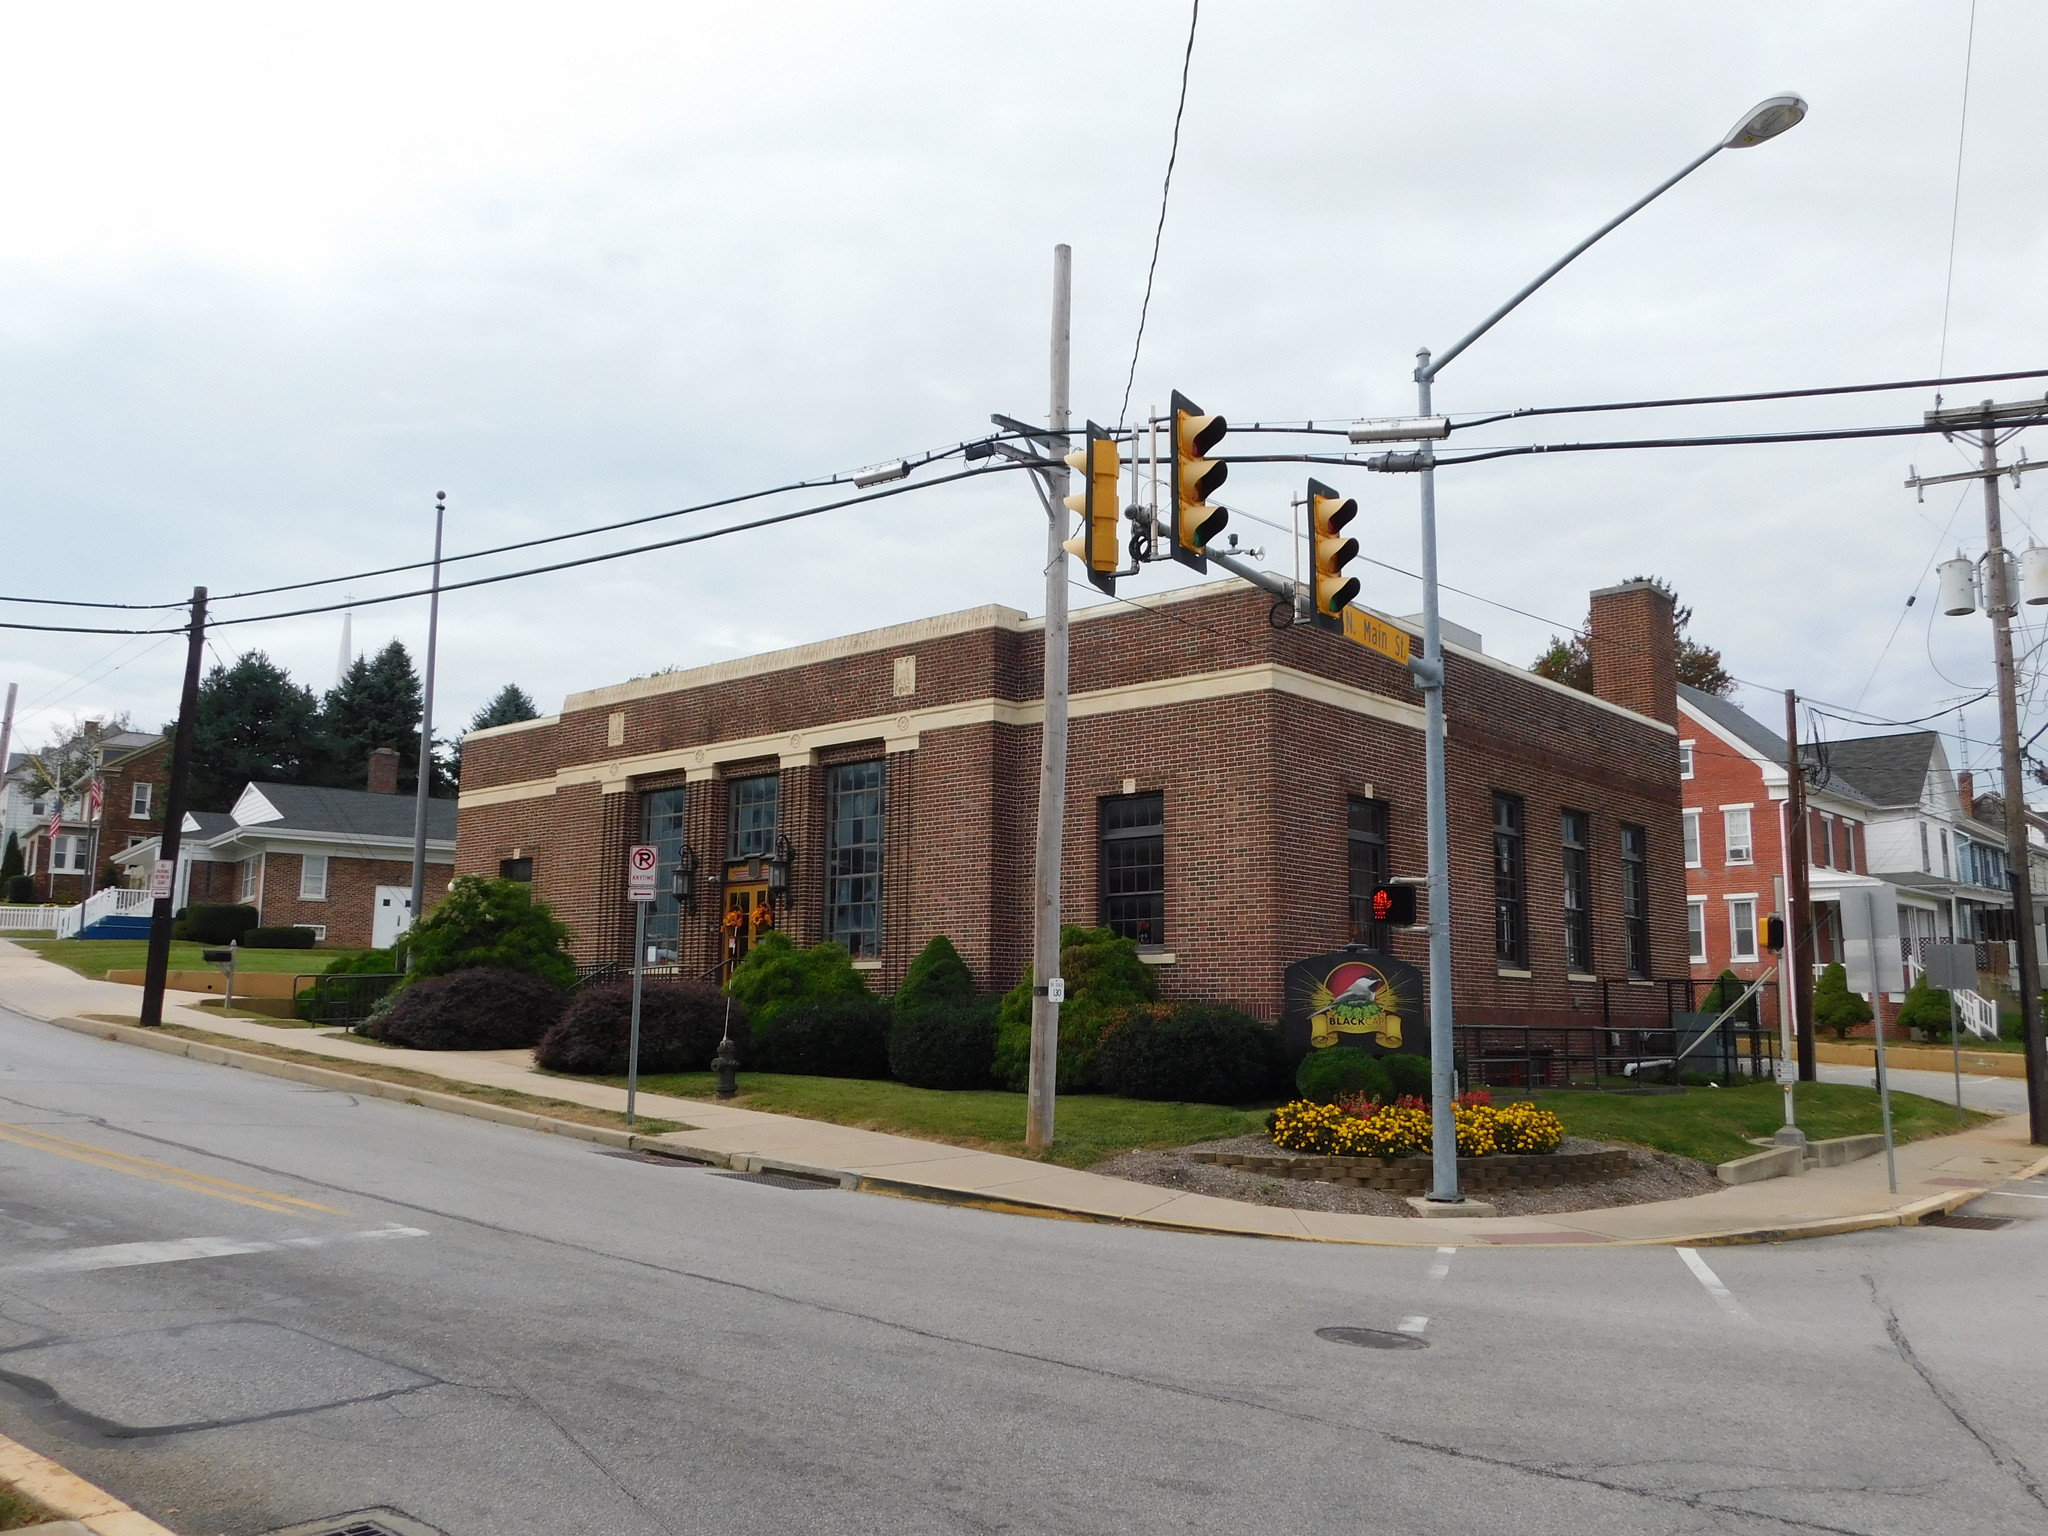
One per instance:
[(683, 884), (778, 871)]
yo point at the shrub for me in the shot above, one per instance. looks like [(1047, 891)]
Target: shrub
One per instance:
[(1726, 988), (824, 1037), (278, 938), (213, 922), (483, 1008), (492, 923), (1410, 1074), (1342, 1069), (937, 975), (21, 890), (1834, 1005), (1405, 1130), (1103, 975), (681, 1023), (1925, 1007), (371, 962), (776, 973), (1191, 1053), (949, 1045)]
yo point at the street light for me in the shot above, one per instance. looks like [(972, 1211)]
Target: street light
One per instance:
[(1766, 120)]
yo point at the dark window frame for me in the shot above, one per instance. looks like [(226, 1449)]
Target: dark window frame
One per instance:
[(1366, 844), (747, 834), (1635, 899), (664, 822), (856, 835), (1130, 843), (1575, 834), (1510, 883)]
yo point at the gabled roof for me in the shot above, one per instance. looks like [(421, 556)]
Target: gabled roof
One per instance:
[(341, 813), (1825, 768), (1891, 770)]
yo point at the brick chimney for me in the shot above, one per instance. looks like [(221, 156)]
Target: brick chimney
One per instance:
[(1966, 787), (384, 771), (1634, 648)]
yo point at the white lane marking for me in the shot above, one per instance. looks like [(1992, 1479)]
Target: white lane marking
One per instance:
[(1723, 1297), (128, 1255), (1416, 1325), (1441, 1265)]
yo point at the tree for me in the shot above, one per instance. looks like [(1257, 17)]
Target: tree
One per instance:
[(489, 922), (510, 705), (1567, 660), (376, 704), (1834, 1005), (1926, 1006), (253, 722), (63, 769), (10, 861)]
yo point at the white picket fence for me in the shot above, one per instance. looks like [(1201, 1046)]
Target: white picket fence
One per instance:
[(1977, 1013), (113, 902), (30, 919)]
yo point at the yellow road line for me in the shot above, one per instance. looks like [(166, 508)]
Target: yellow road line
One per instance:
[(161, 1173)]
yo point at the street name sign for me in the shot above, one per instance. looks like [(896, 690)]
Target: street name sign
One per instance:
[(642, 861), (1365, 630)]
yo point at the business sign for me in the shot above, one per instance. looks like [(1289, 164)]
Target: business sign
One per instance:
[(643, 862), (1354, 997)]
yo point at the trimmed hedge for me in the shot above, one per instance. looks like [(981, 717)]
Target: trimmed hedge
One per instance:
[(937, 975), (1410, 1074), (485, 1008), (214, 922), (494, 923), (776, 974), (825, 1037), (278, 938), (21, 890), (948, 1045), (1340, 1070), (1189, 1053), (681, 1023), (1103, 974)]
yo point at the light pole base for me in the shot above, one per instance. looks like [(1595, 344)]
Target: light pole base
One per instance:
[(1422, 1205), (1789, 1136)]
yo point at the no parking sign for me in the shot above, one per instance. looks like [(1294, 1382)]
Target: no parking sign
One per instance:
[(642, 860)]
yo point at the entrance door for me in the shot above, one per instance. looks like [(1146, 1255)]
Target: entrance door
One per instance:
[(746, 919), (392, 916)]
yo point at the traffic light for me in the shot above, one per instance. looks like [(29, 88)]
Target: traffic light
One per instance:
[(1095, 546), (1195, 479), (1771, 933), (1394, 905), (1331, 590)]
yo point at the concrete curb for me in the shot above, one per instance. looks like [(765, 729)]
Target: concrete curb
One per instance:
[(674, 1144), (72, 1497)]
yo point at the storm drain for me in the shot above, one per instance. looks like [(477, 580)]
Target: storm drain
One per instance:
[(662, 1159), (779, 1179), (1372, 1338), (363, 1522), (1968, 1223)]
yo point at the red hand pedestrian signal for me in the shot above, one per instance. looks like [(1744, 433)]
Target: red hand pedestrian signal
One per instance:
[(1393, 905)]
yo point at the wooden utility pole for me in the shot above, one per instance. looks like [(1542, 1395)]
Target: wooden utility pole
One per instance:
[(1052, 746), (1796, 990), (156, 969)]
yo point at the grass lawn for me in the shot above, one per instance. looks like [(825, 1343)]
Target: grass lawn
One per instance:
[(17, 1509), (95, 957), (1711, 1123), (1090, 1126)]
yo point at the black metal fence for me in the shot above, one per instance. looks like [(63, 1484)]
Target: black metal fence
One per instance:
[(342, 1000), (1599, 1056)]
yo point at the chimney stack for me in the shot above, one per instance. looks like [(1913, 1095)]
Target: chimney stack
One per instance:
[(1966, 787), (384, 771), (1634, 648)]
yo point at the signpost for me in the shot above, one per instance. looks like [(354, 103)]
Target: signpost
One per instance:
[(1875, 965), (1952, 967), (1363, 629), (643, 860)]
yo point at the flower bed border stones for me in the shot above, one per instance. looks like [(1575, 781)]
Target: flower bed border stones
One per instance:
[(1411, 1175)]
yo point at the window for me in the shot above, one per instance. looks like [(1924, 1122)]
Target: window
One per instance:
[(67, 855), (1510, 904), (140, 798), (853, 858), (1824, 844), (135, 840), (1578, 893), (1925, 866), (516, 869), (1735, 834), (1852, 835), (1367, 845), (1133, 864), (1696, 932), (1685, 759), (754, 805), (39, 808), (1843, 857), (250, 869), (1947, 871), (313, 877), (661, 826), (1635, 899), (1742, 929), (1690, 822)]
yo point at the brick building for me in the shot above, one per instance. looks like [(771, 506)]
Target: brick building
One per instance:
[(134, 770), (1233, 791)]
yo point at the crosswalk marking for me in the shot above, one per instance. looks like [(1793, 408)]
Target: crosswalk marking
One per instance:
[(175, 1250), (1723, 1297)]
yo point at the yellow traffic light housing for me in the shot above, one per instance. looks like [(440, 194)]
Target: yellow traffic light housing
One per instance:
[(1331, 591), (1095, 546), (1195, 479)]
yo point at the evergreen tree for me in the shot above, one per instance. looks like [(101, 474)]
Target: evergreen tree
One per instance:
[(377, 704), (1567, 660), (10, 861), (253, 722), (1834, 1005), (510, 705)]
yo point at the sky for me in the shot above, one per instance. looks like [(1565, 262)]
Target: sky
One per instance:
[(272, 277)]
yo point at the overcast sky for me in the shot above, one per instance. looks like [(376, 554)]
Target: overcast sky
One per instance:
[(270, 279)]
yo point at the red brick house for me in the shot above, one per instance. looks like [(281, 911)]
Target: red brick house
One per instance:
[(134, 770), (1234, 790)]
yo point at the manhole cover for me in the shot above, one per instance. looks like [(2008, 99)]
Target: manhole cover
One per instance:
[(1969, 1223), (1372, 1338), (779, 1180), (363, 1522)]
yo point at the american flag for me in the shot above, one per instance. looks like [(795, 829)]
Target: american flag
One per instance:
[(95, 798), (56, 822)]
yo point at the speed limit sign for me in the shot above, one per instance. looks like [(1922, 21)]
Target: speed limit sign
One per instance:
[(642, 861)]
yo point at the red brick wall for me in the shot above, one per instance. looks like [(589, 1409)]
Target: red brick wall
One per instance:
[(349, 911), (1633, 645)]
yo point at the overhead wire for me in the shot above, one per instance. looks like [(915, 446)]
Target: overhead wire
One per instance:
[(1955, 207), (1159, 230)]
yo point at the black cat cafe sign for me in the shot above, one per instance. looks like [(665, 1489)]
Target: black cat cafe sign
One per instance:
[(1354, 997)]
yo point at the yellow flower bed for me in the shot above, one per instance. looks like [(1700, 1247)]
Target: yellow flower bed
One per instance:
[(1403, 1130)]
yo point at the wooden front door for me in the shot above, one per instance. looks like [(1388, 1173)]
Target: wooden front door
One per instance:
[(746, 919)]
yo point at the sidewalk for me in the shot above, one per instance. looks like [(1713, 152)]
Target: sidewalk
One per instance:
[(1934, 1176)]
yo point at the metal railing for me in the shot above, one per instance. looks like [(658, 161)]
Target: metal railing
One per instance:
[(1596, 1056), (341, 1000)]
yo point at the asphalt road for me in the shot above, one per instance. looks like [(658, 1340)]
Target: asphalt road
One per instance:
[(1999, 1095), (241, 1303)]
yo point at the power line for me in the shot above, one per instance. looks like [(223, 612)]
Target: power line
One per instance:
[(1159, 231), (1955, 206)]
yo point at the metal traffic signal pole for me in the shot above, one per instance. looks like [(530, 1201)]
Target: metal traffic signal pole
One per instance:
[(1043, 1082)]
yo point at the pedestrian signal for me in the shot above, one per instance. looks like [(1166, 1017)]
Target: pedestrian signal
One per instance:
[(1393, 905)]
